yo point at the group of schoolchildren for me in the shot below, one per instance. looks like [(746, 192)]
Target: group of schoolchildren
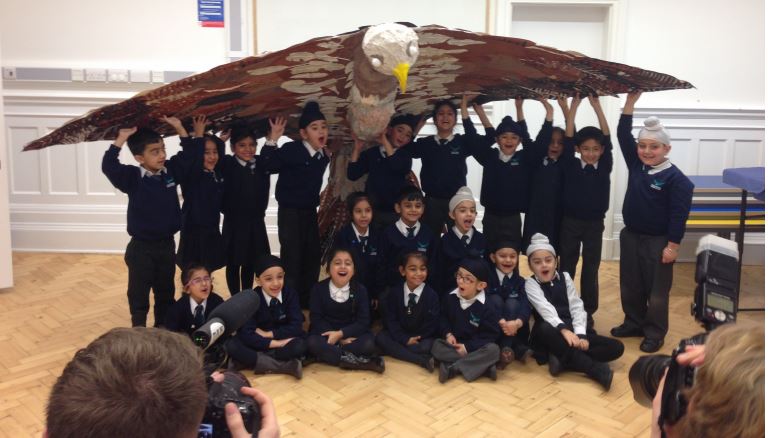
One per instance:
[(448, 296)]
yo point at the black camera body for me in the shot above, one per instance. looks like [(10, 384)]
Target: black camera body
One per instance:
[(645, 376), (214, 423)]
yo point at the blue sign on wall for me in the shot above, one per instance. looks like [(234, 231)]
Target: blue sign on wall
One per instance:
[(210, 13)]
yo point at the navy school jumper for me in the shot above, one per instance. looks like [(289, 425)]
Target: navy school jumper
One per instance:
[(284, 321), (424, 321), (387, 176), (450, 252), (475, 326), (180, 318), (368, 261), (394, 244)]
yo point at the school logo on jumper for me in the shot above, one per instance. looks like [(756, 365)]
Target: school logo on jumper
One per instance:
[(372, 250), (455, 149), (657, 184), (169, 182), (474, 320), (422, 247), (514, 162)]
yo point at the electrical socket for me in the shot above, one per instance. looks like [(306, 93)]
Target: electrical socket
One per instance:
[(140, 76), (118, 75), (77, 75), (95, 75), (158, 77), (9, 73)]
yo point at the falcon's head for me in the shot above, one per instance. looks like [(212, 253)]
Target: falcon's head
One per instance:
[(391, 49)]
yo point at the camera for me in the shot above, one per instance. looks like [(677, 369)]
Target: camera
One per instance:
[(646, 373), (214, 423)]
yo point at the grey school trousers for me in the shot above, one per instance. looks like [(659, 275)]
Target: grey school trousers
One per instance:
[(471, 366), (645, 283)]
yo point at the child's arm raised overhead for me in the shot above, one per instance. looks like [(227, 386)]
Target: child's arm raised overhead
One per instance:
[(627, 141), (570, 128), (356, 167), (606, 159), (270, 154), (190, 157), (544, 137), (526, 138), (122, 176)]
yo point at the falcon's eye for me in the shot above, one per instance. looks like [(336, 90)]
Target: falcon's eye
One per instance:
[(413, 49), (376, 61)]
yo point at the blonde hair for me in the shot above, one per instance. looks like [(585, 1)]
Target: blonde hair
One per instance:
[(728, 395)]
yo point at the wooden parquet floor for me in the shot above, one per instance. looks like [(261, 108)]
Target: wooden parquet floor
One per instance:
[(63, 301)]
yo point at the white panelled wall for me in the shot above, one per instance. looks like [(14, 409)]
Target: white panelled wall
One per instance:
[(60, 200)]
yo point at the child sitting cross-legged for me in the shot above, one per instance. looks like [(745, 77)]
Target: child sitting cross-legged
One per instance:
[(411, 315), (197, 302), (560, 329), (272, 340), (506, 290), (339, 314), (469, 326)]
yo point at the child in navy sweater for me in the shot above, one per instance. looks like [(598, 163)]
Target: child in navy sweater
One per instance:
[(387, 167), (506, 290), (339, 316), (272, 340), (246, 194), (412, 315), (362, 240), (586, 194), (154, 215), (546, 199), (301, 165), (468, 326), (406, 235), (200, 239), (461, 241), (197, 302), (656, 207), (443, 163), (560, 330), (506, 166)]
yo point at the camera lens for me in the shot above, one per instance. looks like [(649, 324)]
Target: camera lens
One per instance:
[(645, 375)]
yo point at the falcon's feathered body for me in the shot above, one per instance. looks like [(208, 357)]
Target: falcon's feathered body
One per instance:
[(333, 71)]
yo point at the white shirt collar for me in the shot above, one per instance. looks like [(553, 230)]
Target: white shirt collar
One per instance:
[(403, 228), (664, 165), (419, 289), (504, 157), (310, 150), (466, 303), (366, 234), (193, 304), (340, 295), (458, 234), (501, 275), (269, 297), (243, 162), (584, 164), (382, 151), (449, 138), (145, 172)]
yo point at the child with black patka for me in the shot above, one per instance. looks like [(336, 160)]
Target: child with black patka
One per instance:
[(154, 215)]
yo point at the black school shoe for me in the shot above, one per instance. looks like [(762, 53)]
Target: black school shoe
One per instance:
[(555, 366), (626, 331), (602, 374), (651, 345), (446, 372), (350, 361)]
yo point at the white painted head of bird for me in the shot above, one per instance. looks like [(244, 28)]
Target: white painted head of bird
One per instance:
[(391, 49)]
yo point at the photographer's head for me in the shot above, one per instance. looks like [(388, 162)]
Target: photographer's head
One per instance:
[(728, 396), (128, 383)]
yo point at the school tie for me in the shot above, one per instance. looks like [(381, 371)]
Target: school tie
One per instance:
[(465, 240), (443, 141), (274, 309), (506, 285), (411, 302), (318, 155), (505, 282), (199, 316), (364, 244), (590, 168), (411, 230)]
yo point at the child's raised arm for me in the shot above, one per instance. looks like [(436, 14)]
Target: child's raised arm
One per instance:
[(570, 119), (629, 104), (480, 111), (177, 125), (198, 125), (550, 112), (627, 141), (519, 109), (595, 102)]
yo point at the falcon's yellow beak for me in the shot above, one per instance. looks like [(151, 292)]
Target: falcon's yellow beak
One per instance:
[(401, 73)]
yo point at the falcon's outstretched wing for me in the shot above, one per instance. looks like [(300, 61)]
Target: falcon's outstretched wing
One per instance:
[(450, 62)]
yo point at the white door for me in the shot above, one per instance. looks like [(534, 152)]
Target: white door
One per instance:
[(6, 271)]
